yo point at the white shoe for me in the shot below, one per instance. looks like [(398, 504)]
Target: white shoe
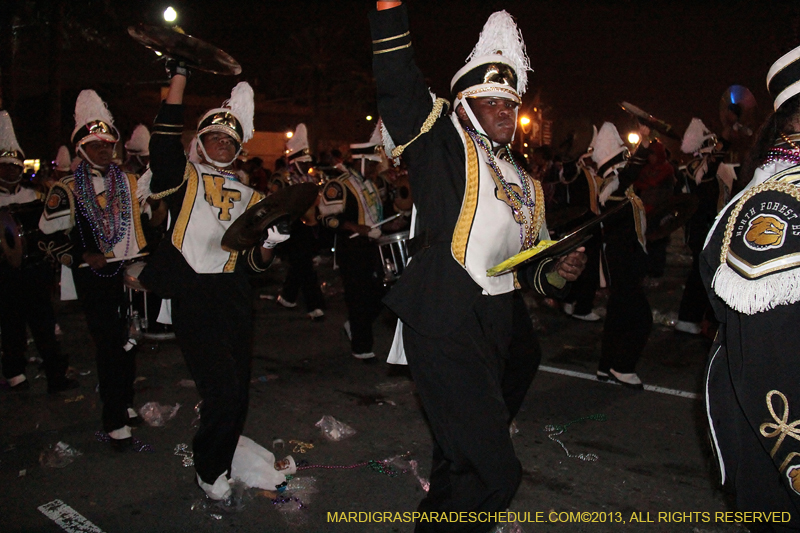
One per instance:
[(692, 328), (220, 490), (347, 330), (568, 308), (316, 314), (589, 317), (368, 355), (631, 380), (122, 433), (286, 303)]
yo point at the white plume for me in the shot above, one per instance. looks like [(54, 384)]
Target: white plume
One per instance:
[(8, 139), (607, 144), (298, 141), (242, 105), (696, 134), (140, 140), (63, 159), (90, 107), (500, 35)]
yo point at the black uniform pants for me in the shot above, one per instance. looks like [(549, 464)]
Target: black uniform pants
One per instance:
[(25, 300), (300, 251), (363, 290), (694, 302), (628, 316), (472, 383), (105, 304), (213, 325)]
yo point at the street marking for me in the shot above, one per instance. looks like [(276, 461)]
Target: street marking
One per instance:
[(592, 377), (68, 518)]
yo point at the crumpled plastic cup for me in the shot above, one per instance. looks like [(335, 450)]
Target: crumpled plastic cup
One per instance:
[(334, 430), (58, 455), (155, 414)]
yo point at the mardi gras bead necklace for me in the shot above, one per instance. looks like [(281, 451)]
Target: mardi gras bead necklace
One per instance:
[(518, 202), (110, 223)]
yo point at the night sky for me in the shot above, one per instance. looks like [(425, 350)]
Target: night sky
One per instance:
[(674, 59)]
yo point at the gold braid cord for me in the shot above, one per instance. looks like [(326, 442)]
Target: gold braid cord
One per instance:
[(164, 194), (438, 105), (785, 188)]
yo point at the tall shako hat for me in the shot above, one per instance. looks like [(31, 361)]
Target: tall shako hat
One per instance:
[(783, 78), (697, 138), (10, 152), (608, 150), (234, 118), (63, 159), (497, 67), (139, 143), (297, 147), (93, 120)]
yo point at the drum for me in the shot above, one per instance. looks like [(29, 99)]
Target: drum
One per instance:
[(143, 307), (19, 233), (394, 255)]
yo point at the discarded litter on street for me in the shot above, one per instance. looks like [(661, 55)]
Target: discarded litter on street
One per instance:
[(333, 429), (58, 455)]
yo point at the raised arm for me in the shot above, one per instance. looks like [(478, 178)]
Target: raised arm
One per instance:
[(167, 157), (404, 100)]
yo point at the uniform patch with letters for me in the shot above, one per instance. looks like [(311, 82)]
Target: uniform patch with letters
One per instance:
[(764, 232)]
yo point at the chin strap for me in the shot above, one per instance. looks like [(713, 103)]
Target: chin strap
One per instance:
[(202, 151)]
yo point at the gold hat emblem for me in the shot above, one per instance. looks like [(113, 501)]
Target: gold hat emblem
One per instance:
[(765, 231)]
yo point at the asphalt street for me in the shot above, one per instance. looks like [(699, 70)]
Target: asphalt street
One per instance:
[(596, 457)]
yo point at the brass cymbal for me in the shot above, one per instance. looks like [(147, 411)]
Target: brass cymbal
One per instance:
[(196, 53), (291, 202), (649, 120)]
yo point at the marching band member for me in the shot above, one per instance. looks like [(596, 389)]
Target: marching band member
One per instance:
[(98, 206), (209, 287), (750, 267), (351, 206), (711, 181), (306, 232), (25, 289), (628, 317), (138, 151), (468, 338)]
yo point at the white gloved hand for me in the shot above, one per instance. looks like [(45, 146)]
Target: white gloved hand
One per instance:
[(374, 233), (274, 238)]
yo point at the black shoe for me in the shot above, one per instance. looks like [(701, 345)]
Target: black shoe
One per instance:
[(61, 386), (121, 445)]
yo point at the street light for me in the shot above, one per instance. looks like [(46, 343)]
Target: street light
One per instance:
[(170, 15), (525, 122), (633, 137), (369, 118), (289, 134)]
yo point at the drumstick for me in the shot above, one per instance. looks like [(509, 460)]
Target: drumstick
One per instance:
[(382, 222), (115, 259)]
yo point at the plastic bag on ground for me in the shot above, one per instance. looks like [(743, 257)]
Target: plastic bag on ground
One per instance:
[(333, 429), (58, 455), (156, 414), (255, 466)]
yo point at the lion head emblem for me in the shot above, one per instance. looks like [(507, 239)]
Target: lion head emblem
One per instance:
[(765, 231)]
